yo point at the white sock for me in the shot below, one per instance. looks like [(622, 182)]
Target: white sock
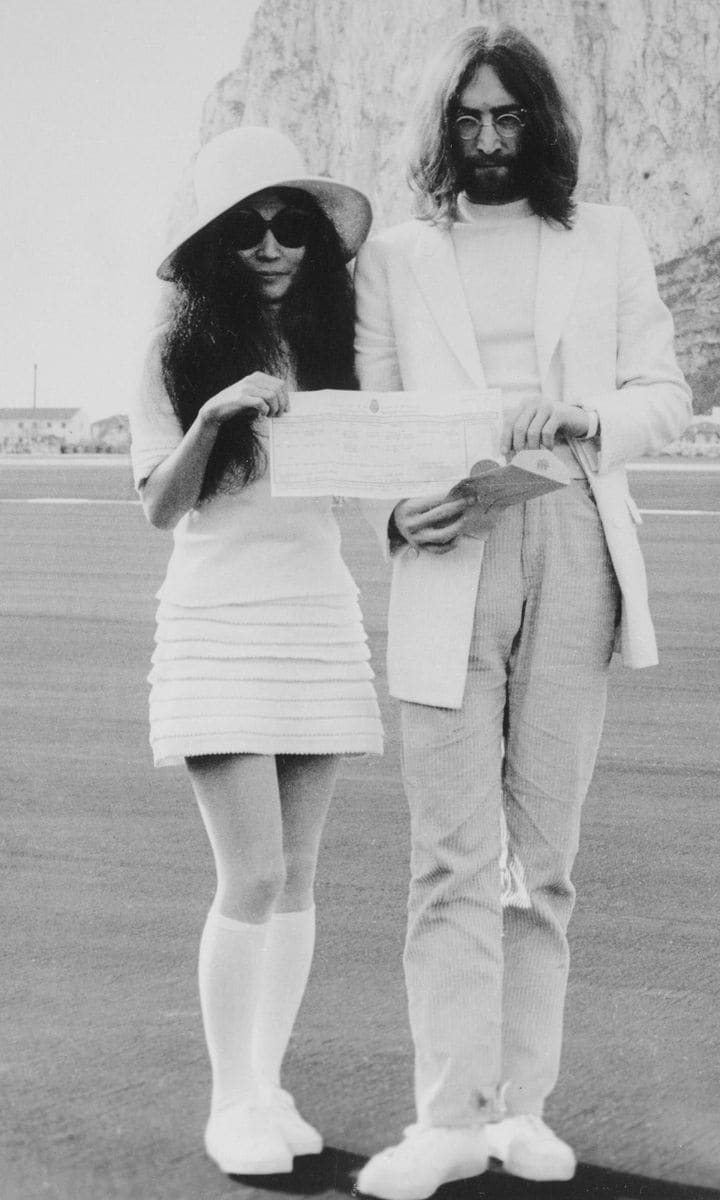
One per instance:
[(286, 965), (229, 976)]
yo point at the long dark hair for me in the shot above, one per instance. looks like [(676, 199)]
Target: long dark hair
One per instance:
[(551, 138), (220, 330)]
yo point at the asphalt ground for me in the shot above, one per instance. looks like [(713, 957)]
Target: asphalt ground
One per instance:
[(106, 879)]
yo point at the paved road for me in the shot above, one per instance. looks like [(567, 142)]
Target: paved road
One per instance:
[(107, 879)]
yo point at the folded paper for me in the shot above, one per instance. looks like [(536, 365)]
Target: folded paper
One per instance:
[(490, 486)]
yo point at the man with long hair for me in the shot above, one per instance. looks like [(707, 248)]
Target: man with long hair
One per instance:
[(499, 646)]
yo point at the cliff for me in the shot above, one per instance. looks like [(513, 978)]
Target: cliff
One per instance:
[(643, 75)]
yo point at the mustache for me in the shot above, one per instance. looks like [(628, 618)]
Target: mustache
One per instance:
[(488, 160)]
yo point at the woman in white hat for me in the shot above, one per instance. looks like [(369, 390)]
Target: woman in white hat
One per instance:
[(260, 675)]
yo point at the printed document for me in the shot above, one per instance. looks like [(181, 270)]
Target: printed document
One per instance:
[(381, 445)]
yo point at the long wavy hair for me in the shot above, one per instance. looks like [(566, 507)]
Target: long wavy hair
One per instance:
[(551, 138), (221, 330)]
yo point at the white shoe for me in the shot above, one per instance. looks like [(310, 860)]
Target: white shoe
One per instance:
[(527, 1147), (300, 1135), (243, 1139), (423, 1161)]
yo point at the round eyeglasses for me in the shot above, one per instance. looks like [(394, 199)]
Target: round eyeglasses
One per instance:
[(507, 125), (290, 227)]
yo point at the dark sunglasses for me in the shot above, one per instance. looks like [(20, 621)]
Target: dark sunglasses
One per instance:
[(290, 227)]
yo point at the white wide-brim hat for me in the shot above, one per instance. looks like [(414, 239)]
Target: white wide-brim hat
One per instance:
[(241, 162)]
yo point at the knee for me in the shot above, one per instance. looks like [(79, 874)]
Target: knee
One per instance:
[(252, 895), (266, 886), (447, 866), (298, 891), (557, 898), (551, 900), (545, 867)]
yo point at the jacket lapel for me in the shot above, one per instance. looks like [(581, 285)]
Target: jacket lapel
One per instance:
[(435, 269), (559, 268)]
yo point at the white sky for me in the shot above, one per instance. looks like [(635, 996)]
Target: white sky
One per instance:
[(101, 102)]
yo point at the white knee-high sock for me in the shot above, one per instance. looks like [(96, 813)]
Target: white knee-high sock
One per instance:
[(229, 973), (286, 962)]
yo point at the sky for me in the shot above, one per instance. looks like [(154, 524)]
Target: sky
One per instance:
[(101, 103)]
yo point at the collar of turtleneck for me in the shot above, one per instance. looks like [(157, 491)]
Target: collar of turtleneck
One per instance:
[(492, 214)]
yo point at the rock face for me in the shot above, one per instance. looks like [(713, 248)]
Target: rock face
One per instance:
[(690, 286), (643, 75)]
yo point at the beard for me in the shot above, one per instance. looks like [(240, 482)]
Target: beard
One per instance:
[(492, 180)]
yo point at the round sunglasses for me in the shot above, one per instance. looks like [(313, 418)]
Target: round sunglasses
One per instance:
[(290, 227)]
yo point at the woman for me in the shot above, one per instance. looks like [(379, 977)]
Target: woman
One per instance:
[(260, 675)]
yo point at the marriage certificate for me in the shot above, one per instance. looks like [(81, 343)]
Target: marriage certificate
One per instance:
[(381, 445)]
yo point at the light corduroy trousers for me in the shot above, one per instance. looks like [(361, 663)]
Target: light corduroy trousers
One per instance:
[(486, 983)]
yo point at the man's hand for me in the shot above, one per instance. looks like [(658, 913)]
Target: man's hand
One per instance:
[(537, 425), (430, 523)]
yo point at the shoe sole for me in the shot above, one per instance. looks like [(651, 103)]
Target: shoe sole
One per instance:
[(539, 1175), (400, 1193), (281, 1165), (395, 1193)]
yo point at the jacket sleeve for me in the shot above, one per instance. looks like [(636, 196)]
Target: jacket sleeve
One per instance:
[(376, 359), (651, 404)]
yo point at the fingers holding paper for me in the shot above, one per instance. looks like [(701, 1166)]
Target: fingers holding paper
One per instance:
[(536, 426), (265, 393), (430, 523)]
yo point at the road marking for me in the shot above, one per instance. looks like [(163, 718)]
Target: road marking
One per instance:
[(60, 500), (695, 465), (678, 512), (646, 512)]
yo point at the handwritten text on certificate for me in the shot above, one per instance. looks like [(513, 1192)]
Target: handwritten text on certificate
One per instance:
[(380, 445)]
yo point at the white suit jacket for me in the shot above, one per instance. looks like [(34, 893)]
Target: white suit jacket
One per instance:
[(604, 341)]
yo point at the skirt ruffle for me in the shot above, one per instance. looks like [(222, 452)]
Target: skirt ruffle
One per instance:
[(271, 678)]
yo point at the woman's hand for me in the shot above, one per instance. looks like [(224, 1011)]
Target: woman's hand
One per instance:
[(430, 523), (265, 393), (537, 425), (175, 485)]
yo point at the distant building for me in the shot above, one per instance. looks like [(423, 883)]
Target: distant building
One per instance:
[(111, 434), (701, 439), (41, 430)]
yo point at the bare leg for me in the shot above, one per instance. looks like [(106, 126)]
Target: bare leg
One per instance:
[(239, 801), (306, 785)]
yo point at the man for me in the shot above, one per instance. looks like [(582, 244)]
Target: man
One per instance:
[(499, 648)]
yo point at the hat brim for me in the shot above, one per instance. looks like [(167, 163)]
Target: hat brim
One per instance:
[(346, 207)]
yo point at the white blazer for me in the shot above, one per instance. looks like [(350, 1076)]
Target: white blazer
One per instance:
[(604, 341)]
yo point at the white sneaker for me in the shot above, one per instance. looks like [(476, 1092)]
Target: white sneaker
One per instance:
[(300, 1135), (243, 1139), (527, 1147), (423, 1161)]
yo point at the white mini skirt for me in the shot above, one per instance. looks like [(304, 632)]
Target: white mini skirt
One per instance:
[(280, 677)]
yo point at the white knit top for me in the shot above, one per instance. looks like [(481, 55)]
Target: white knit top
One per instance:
[(240, 546), (497, 248)]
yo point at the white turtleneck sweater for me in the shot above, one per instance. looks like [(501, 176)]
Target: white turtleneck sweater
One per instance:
[(497, 248)]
